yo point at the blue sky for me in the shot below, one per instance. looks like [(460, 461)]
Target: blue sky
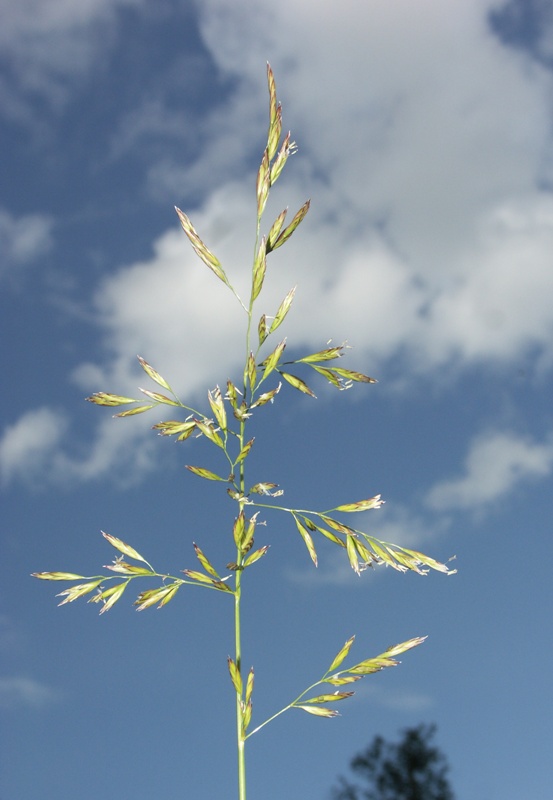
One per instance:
[(425, 144)]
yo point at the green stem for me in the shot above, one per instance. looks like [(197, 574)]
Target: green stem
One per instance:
[(240, 739), (240, 733)]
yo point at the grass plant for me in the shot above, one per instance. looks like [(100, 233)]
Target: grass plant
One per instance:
[(224, 421)]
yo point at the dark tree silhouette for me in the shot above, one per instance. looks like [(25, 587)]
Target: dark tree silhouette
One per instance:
[(411, 770)]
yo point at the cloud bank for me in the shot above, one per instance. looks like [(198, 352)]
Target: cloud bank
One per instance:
[(425, 143)]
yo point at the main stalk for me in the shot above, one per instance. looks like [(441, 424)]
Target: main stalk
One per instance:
[(240, 739)]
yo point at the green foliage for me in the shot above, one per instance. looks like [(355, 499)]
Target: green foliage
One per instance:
[(224, 423), (413, 769)]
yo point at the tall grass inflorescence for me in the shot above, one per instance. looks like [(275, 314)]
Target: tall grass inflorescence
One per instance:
[(224, 422)]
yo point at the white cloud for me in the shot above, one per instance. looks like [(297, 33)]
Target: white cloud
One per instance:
[(497, 306), (19, 691), (497, 462), (35, 450), (173, 311), (23, 239), (428, 244), (422, 141), (26, 445), (127, 452)]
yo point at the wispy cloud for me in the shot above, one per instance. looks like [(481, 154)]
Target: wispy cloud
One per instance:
[(48, 45), (34, 451), (403, 700), (23, 240), (497, 462), (19, 691)]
